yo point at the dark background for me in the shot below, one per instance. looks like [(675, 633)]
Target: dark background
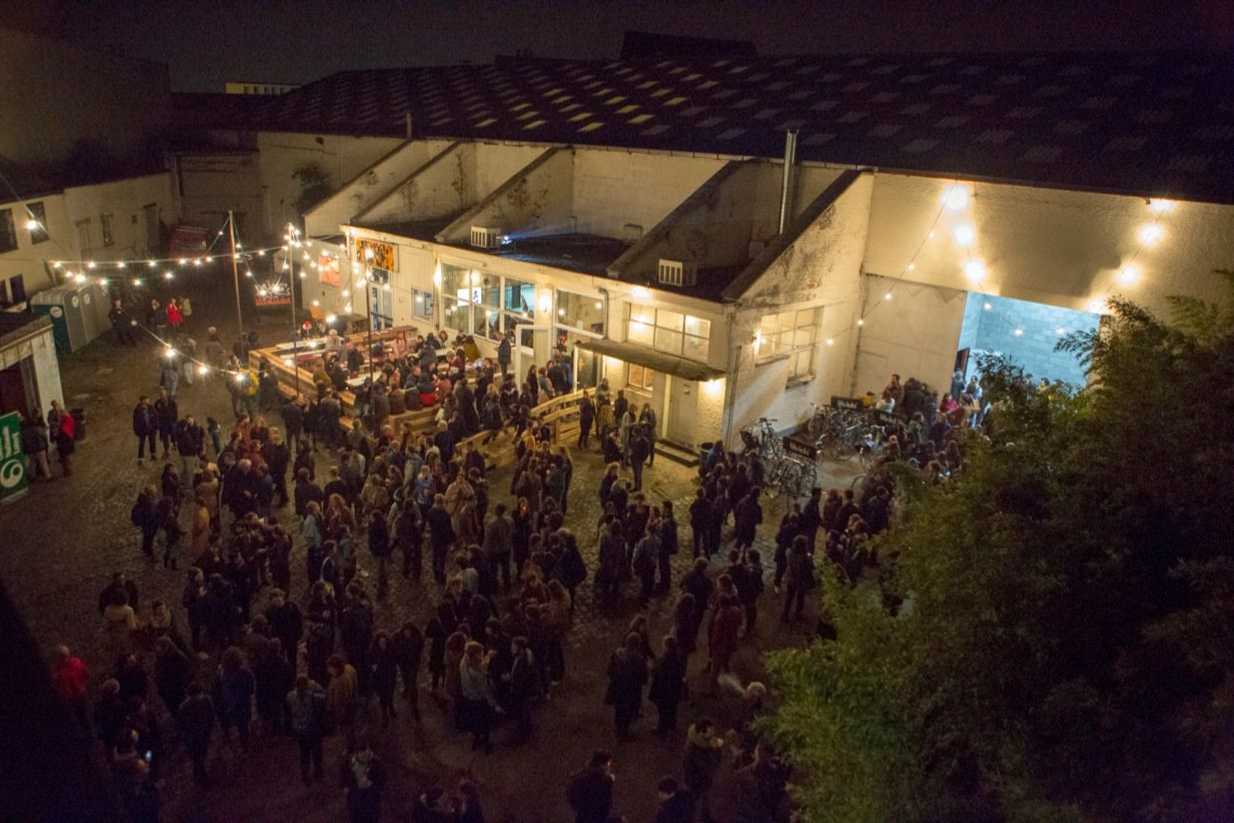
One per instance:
[(208, 42)]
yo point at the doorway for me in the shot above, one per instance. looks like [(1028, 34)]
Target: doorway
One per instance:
[(682, 411), (150, 214), (381, 308), (1024, 332)]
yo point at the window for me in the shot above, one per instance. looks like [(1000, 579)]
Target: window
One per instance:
[(422, 304), (83, 235), (518, 301), (580, 312), (791, 333), (17, 288), (105, 222), (639, 377), (471, 301), (669, 331), (39, 233), (8, 232)]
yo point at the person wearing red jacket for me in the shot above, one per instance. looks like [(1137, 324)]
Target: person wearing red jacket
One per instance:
[(69, 678)]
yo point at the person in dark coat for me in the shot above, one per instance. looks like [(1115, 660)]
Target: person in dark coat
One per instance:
[(379, 547), (383, 674), (586, 417), (195, 720), (363, 778), (747, 517), (676, 805), (640, 450), (591, 790), (668, 685), (172, 673), (441, 536), (408, 649), (167, 414), (286, 622), (146, 427), (627, 674)]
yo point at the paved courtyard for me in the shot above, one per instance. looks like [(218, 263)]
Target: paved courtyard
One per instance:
[(65, 538)]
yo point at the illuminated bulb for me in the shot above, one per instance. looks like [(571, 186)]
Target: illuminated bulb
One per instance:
[(303, 275), (1157, 206), (964, 235), (103, 282), (330, 318), (561, 312), (860, 321), (56, 264), (988, 306), (1097, 305), (169, 352), (316, 302), (81, 278), (248, 274), (599, 305), (220, 232), (346, 292), (974, 270), (1018, 332), (261, 252), (203, 370), (831, 341), (1128, 275), (239, 245), (368, 254), (168, 275), (184, 261), (1060, 331), (1150, 234), (91, 265), (32, 224), (239, 377), (887, 296), (197, 262), (137, 282), (150, 264), (287, 362), (121, 265), (912, 266), (955, 198), (930, 235)]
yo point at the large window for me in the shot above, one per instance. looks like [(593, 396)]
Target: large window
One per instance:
[(38, 234), (668, 331), (8, 232), (639, 377), (791, 333), (474, 302), (580, 312), (422, 304), (105, 222)]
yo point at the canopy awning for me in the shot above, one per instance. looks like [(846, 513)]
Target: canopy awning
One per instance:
[(657, 360)]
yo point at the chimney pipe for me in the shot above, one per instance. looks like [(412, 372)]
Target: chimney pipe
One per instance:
[(790, 163)]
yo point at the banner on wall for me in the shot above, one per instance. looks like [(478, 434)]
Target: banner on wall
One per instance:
[(13, 479), (383, 254), (329, 270)]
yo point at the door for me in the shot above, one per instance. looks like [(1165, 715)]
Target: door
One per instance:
[(83, 237), (150, 214), (381, 308), (682, 405)]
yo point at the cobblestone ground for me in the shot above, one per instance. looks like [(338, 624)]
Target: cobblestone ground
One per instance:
[(66, 537)]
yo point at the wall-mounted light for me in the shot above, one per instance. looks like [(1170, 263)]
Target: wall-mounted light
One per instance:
[(974, 270), (713, 388), (955, 198), (1128, 275), (1150, 234), (641, 293), (1158, 206)]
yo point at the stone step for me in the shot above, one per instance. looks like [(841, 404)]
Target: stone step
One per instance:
[(678, 454)]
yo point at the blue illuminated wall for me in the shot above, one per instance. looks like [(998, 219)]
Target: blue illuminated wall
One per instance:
[(993, 329)]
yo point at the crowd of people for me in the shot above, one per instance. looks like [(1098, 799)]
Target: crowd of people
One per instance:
[(260, 644)]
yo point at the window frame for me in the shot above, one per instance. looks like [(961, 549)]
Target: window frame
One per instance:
[(669, 336), (783, 342), (426, 299), (647, 386), (38, 211), (8, 231), (105, 224)]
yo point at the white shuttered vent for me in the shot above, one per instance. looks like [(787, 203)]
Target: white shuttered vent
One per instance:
[(677, 273)]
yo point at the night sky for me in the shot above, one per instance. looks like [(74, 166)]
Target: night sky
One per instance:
[(206, 43)]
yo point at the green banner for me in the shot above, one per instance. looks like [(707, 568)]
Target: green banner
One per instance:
[(13, 480)]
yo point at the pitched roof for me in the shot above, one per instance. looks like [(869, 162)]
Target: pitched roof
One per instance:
[(1148, 123)]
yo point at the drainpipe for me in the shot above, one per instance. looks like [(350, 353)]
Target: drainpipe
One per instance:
[(786, 190)]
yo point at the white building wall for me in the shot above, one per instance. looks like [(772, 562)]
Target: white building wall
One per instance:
[(47, 371), (125, 201), (821, 268), (342, 158), (613, 188), (370, 186), (30, 260), (1064, 248), (915, 334)]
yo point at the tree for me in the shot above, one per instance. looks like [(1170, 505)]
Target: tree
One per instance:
[(1065, 647), (314, 186)]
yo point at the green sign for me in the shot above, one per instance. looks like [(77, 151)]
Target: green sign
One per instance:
[(13, 480)]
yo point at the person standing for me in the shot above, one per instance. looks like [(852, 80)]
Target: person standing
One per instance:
[(590, 792), (195, 720), (34, 443), (668, 685), (70, 678), (408, 645), (675, 802), (363, 781), (586, 416), (441, 536), (637, 450), (167, 413), (797, 578), (121, 324), (145, 516), (191, 443), (647, 419), (627, 673), (498, 543), (704, 753), (63, 430), (306, 705), (145, 426)]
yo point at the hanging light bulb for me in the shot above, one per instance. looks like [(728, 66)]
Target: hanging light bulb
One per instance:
[(32, 225), (1158, 206), (169, 352), (1128, 274), (122, 265), (831, 341), (1018, 332), (184, 261), (316, 303), (103, 282), (248, 274), (1150, 234), (137, 282), (346, 292), (887, 296), (55, 264), (987, 306), (167, 275), (974, 270), (91, 265), (197, 262), (261, 252), (203, 369), (955, 198), (150, 264), (964, 234), (861, 321)]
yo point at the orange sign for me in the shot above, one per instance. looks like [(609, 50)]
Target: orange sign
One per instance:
[(376, 254), (328, 270)]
